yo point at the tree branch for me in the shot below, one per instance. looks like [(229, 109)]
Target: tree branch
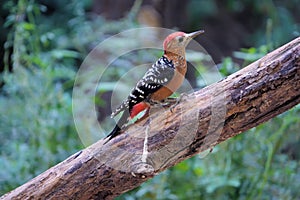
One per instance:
[(200, 121)]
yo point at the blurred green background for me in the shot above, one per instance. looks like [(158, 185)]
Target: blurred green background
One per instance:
[(44, 42)]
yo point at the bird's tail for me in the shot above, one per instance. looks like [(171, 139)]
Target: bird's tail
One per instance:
[(117, 130)]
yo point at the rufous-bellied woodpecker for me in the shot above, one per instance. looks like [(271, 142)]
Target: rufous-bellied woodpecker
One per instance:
[(159, 82)]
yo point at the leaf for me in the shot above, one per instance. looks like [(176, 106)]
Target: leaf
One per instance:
[(28, 26), (59, 54), (248, 56)]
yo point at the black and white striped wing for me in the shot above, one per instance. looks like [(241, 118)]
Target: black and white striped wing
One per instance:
[(157, 76)]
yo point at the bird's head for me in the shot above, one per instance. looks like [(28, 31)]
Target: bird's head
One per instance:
[(176, 42)]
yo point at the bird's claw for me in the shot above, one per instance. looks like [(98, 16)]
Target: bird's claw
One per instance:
[(170, 102), (153, 102)]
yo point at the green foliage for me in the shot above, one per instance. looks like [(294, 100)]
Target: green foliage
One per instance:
[(250, 55), (36, 126), (37, 130)]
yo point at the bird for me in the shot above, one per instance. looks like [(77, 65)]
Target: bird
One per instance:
[(161, 80)]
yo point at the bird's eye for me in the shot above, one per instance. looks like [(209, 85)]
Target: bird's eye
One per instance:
[(180, 39)]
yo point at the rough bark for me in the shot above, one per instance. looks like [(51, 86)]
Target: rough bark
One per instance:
[(200, 121)]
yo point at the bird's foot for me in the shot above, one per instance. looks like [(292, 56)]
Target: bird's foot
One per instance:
[(153, 102), (170, 102), (164, 103)]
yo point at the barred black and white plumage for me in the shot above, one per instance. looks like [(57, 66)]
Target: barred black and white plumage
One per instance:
[(157, 76)]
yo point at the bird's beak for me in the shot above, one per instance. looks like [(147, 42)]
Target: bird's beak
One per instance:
[(190, 36), (194, 34)]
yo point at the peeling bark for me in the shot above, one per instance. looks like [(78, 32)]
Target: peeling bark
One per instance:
[(200, 121)]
